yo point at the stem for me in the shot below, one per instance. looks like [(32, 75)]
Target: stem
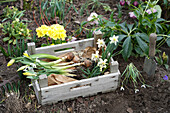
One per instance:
[(47, 40)]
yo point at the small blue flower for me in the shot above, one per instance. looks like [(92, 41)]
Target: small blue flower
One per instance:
[(165, 77)]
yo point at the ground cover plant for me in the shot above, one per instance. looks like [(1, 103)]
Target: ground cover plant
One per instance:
[(126, 26)]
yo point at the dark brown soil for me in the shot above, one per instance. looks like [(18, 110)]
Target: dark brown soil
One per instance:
[(155, 99)]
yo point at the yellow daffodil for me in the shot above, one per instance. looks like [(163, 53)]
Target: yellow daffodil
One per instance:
[(164, 56), (10, 62), (25, 54), (22, 68), (29, 74)]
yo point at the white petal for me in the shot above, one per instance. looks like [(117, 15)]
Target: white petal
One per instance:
[(143, 86)]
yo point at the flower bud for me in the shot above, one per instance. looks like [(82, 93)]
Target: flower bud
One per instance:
[(122, 2), (135, 3), (10, 62)]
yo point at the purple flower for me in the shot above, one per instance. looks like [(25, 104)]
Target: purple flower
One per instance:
[(150, 11), (122, 2), (132, 15), (135, 3), (165, 77)]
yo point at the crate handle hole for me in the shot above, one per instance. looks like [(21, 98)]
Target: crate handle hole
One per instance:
[(79, 87)]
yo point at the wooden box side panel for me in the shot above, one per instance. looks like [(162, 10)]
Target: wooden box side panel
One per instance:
[(83, 88), (74, 46), (37, 90)]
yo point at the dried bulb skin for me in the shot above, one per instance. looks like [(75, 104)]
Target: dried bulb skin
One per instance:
[(87, 63), (76, 59), (70, 56)]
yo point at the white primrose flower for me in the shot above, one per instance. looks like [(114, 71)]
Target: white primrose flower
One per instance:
[(95, 56), (136, 90), (17, 19), (143, 86), (100, 43), (114, 39), (33, 65), (93, 16), (37, 60), (122, 88)]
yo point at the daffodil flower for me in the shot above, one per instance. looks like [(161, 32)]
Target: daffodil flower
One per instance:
[(22, 68), (122, 88), (33, 65), (114, 39), (26, 54), (95, 56), (28, 73), (102, 63), (100, 43), (10, 62)]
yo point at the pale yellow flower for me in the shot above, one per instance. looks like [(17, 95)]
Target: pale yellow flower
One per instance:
[(39, 32), (10, 62), (22, 68), (29, 74)]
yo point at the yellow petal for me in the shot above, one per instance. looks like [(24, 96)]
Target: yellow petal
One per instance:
[(10, 62), (25, 54), (29, 74), (22, 68)]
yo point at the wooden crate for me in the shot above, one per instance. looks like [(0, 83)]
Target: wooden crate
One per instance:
[(85, 87)]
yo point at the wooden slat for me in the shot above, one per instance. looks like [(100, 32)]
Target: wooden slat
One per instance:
[(107, 86), (90, 83), (77, 45), (37, 90)]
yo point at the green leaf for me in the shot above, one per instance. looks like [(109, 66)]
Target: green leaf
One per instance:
[(130, 26), (168, 42), (159, 38), (144, 36), (4, 52), (121, 37), (142, 44), (138, 50), (127, 48), (10, 41), (123, 26), (159, 10), (6, 39)]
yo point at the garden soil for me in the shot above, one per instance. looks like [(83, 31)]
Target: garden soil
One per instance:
[(153, 99)]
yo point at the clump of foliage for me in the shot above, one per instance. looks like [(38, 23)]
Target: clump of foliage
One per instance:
[(133, 76), (12, 13), (33, 67), (102, 61), (134, 38), (163, 60), (56, 8), (15, 30), (15, 33)]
